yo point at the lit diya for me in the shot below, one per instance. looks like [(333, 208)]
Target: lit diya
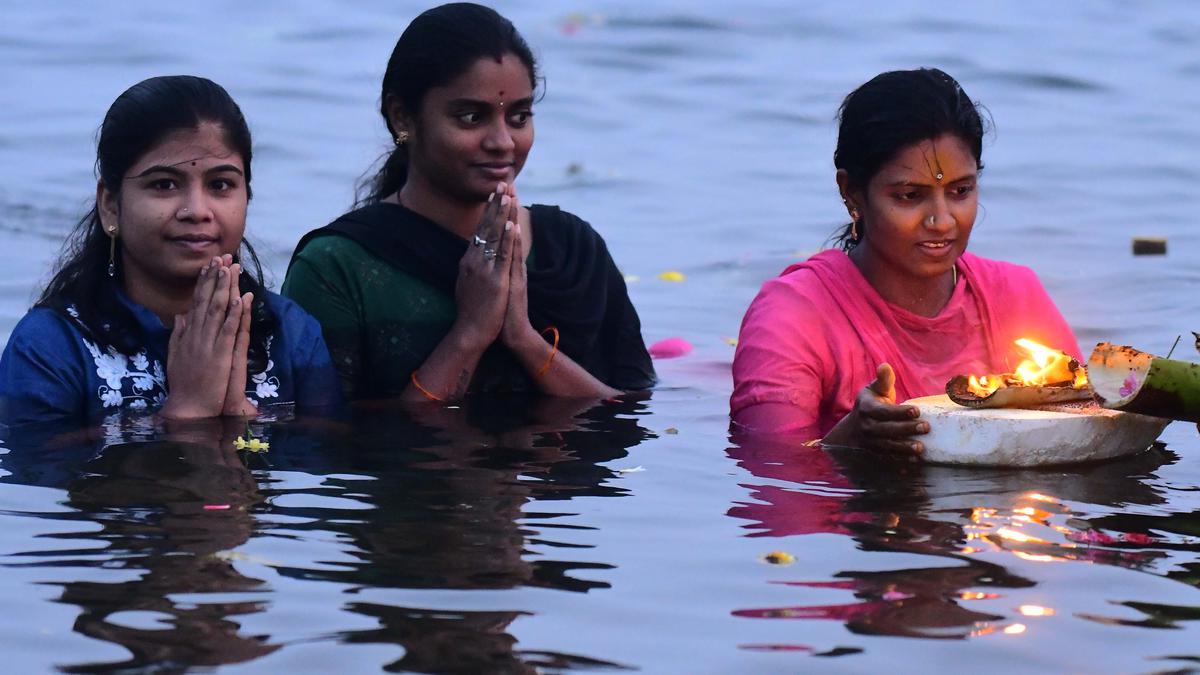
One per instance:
[(1043, 413), (1047, 376)]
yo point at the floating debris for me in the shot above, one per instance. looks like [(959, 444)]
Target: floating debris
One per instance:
[(779, 558), (633, 469), (672, 275), (840, 651), (216, 507), (732, 341), (575, 21), (670, 348), (671, 430), (632, 278), (1149, 245), (230, 556)]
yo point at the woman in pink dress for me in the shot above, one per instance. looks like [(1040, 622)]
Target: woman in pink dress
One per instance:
[(830, 347)]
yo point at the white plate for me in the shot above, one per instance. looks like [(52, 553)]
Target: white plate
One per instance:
[(1013, 437)]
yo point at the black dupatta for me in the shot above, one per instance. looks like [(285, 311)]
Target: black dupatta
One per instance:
[(573, 285)]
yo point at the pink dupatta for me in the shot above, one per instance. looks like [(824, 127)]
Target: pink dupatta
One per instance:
[(814, 336)]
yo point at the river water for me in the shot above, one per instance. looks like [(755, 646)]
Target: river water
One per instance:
[(537, 537)]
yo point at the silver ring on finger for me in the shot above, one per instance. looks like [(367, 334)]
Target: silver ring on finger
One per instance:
[(489, 253), (478, 241)]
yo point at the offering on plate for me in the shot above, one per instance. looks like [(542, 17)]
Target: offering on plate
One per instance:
[(1047, 376), (1055, 434), (1048, 410)]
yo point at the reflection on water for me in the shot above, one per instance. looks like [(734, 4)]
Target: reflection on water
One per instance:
[(149, 500), (438, 502), (460, 642), (962, 518)]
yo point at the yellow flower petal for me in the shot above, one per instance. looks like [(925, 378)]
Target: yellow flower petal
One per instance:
[(779, 558), (672, 275), (253, 445)]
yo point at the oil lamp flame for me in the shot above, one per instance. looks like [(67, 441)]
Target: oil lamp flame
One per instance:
[(1045, 366)]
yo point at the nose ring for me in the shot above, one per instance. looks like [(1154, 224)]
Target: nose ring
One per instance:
[(932, 220)]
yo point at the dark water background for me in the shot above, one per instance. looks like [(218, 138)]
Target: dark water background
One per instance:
[(513, 537)]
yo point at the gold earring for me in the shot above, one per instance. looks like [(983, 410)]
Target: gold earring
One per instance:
[(112, 252), (401, 138)]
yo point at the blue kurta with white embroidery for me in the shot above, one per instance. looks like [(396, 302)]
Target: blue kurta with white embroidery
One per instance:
[(50, 370)]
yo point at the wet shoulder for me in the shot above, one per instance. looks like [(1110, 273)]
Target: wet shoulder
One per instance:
[(45, 328), (798, 294), (333, 248), (999, 274), (559, 224), (341, 263), (288, 312)]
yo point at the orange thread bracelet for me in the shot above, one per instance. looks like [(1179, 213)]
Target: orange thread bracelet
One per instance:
[(423, 390), (553, 350)]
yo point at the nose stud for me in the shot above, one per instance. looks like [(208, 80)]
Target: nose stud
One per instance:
[(932, 221), (183, 212)]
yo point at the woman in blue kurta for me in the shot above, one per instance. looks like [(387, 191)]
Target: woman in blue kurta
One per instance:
[(150, 307)]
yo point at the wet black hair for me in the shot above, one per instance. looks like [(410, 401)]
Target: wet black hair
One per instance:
[(137, 121), (438, 46), (895, 110)]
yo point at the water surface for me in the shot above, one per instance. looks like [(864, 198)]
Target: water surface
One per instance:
[(525, 536)]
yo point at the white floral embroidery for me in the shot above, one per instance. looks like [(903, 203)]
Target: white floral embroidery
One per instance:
[(142, 382), (110, 367), (262, 377), (129, 382), (139, 382), (110, 397), (265, 384)]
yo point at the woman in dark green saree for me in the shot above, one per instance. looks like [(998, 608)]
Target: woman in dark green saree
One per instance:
[(441, 283)]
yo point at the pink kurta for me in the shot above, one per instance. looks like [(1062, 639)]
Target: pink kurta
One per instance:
[(815, 335)]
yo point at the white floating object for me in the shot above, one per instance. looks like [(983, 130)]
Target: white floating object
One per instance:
[(1017, 437)]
